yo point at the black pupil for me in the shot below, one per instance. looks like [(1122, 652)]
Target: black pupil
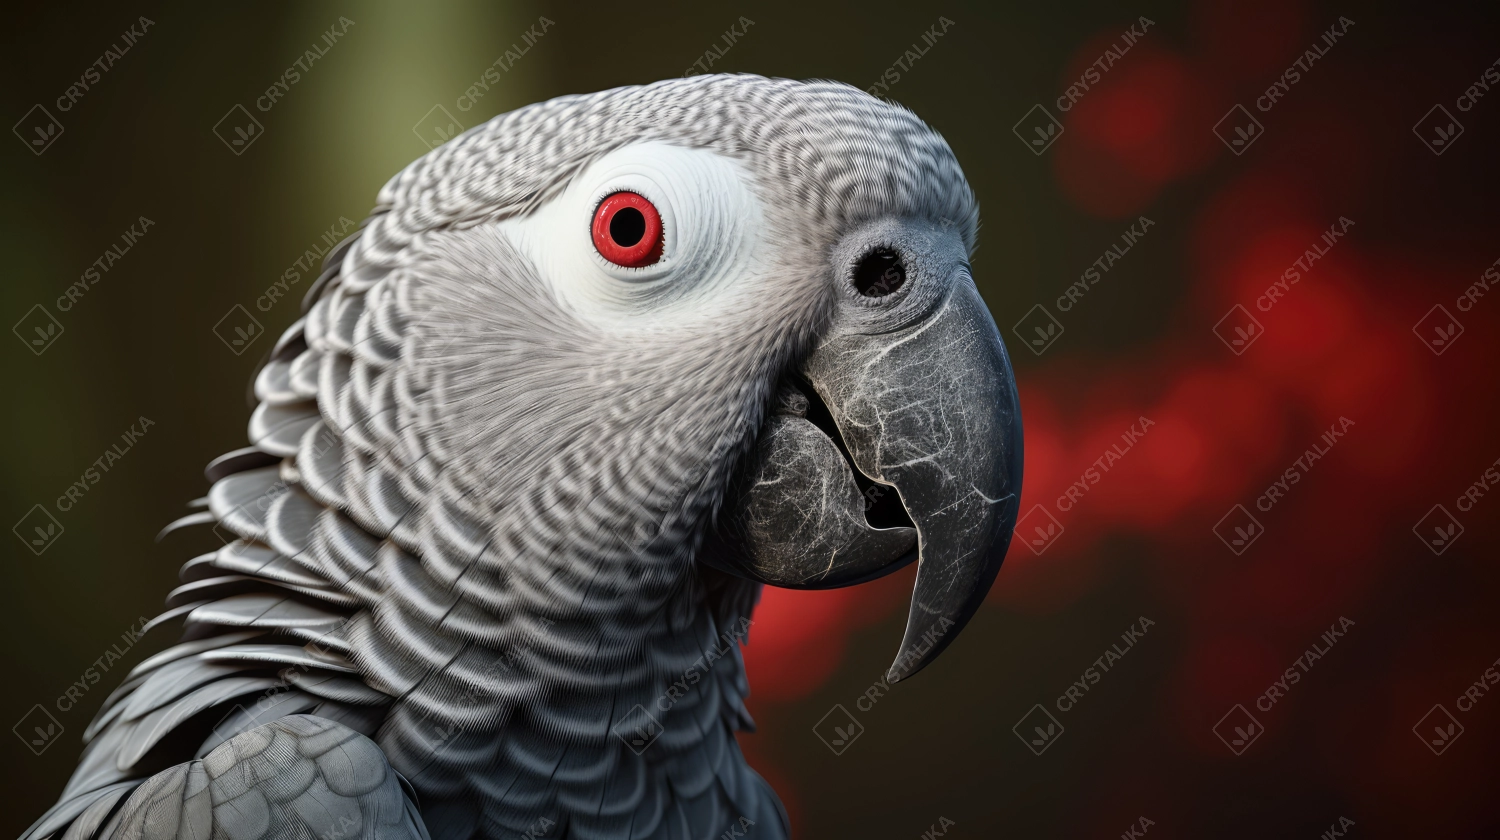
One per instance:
[(880, 273), (627, 227)]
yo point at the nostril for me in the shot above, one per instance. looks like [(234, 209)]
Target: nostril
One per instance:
[(879, 273)]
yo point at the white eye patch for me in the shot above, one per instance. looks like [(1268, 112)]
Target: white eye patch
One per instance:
[(711, 226)]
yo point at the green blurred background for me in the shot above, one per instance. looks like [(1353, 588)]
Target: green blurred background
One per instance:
[(140, 343)]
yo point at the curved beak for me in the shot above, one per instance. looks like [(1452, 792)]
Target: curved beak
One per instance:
[(931, 410)]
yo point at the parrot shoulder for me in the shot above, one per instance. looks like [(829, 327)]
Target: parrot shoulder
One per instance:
[(297, 776)]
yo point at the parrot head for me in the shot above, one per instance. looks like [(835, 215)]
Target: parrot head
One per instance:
[(722, 323)]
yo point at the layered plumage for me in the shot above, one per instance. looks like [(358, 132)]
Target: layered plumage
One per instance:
[(467, 526)]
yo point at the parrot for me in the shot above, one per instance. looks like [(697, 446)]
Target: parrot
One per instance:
[(589, 377)]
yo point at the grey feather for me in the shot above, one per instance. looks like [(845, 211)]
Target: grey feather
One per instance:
[(298, 776), (171, 682), (291, 342), (149, 730), (277, 428), (188, 521), (261, 561), (321, 459), (353, 692), (239, 460), (270, 611), (285, 655), (208, 588), (115, 703), (273, 384), (65, 812), (88, 823), (240, 501), (266, 708)]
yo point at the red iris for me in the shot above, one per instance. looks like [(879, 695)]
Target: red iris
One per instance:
[(627, 230)]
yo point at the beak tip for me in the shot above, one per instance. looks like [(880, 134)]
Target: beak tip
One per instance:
[(903, 669)]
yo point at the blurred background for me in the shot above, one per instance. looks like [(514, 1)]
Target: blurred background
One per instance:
[(1131, 170)]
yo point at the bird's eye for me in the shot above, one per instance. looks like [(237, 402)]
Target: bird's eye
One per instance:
[(628, 230), (879, 273)]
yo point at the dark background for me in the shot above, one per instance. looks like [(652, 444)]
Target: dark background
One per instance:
[(1140, 742)]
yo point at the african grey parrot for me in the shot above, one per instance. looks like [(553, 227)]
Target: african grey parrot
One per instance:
[(588, 377)]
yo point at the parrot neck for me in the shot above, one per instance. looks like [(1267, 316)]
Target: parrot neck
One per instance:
[(561, 712)]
